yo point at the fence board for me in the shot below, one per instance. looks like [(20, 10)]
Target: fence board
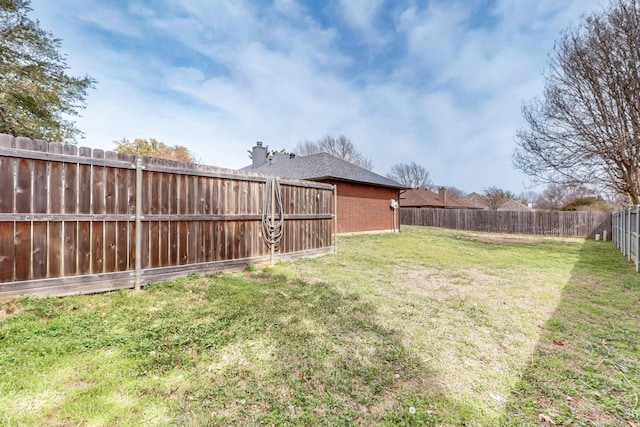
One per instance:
[(7, 192), (7, 251), (70, 187), (23, 186), (69, 212), (70, 248), (84, 247), (84, 189), (97, 249), (40, 186), (55, 249), (122, 246), (23, 250), (39, 250), (569, 224)]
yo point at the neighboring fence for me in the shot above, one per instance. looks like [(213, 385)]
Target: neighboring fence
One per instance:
[(76, 220), (626, 233), (566, 224)]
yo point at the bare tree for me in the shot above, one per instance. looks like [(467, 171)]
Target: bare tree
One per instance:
[(528, 197), (411, 175), (340, 147), (496, 197), (456, 193), (586, 129), (554, 196)]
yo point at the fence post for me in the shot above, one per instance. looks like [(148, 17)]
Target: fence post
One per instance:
[(629, 231), (637, 237), (138, 264), (623, 229), (335, 219)]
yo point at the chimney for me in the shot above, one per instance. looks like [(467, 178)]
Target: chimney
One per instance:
[(443, 195), (259, 155)]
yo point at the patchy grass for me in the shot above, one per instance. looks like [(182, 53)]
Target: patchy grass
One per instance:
[(428, 327)]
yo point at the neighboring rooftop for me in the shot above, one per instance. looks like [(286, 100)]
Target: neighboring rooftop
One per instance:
[(481, 202), (424, 198), (315, 167)]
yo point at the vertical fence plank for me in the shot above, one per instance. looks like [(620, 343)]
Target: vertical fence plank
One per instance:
[(23, 250), (76, 182), (70, 248), (123, 246), (7, 251), (23, 186), (40, 186), (154, 244), (98, 185), (173, 243), (97, 249), (577, 224), (110, 246), (84, 247), (39, 250), (55, 248), (182, 242), (7, 190), (84, 183)]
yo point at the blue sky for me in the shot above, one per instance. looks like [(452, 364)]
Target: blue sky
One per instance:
[(438, 82)]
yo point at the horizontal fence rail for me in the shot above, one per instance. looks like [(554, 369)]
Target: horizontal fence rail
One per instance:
[(626, 233), (76, 220), (562, 224)]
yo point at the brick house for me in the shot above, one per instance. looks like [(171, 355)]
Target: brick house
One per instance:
[(364, 197)]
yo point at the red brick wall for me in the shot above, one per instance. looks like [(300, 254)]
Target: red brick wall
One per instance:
[(365, 207)]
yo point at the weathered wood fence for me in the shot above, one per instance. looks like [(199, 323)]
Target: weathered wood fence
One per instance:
[(76, 220), (626, 233), (566, 224)]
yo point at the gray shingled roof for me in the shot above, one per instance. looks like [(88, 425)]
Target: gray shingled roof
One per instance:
[(318, 167)]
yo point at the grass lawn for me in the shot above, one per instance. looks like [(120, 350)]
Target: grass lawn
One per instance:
[(427, 327)]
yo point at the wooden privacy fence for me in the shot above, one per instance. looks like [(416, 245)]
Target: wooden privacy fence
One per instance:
[(626, 233), (76, 220), (565, 224)]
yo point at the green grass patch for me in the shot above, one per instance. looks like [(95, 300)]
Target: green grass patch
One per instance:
[(426, 327)]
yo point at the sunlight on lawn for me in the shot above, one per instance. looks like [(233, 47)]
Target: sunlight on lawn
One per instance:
[(428, 327)]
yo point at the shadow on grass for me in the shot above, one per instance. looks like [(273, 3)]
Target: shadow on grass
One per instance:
[(225, 349), (269, 350), (586, 366)]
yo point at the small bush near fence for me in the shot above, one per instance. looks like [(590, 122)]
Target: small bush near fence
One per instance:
[(75, 220), (563, 224)]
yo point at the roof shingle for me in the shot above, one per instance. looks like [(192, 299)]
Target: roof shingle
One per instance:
[(317, 167)]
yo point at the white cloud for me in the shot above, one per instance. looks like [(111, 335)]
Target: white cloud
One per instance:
[(217, 76)]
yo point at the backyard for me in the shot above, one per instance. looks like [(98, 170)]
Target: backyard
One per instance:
[(425, 327)]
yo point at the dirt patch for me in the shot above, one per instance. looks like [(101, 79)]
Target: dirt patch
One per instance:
[(424, 281), (516, 238), (7, 310)]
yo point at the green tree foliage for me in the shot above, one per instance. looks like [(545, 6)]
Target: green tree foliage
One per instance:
[(36, 95), (153, 148), (595, 203)]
